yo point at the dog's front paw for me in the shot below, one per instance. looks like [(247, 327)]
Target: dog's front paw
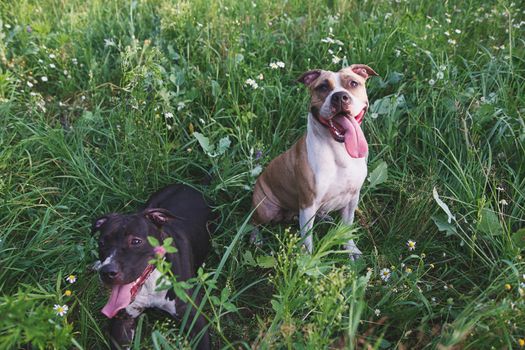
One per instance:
[(354, 256), (353, 251)]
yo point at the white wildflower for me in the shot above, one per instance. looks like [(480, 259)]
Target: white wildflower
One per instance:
[(61, 310), (385, 274)]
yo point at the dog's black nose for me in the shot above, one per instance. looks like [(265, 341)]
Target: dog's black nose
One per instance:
[(109, 272), (340, 98)]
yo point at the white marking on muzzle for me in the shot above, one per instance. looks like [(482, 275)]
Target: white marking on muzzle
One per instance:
[(98, 265)]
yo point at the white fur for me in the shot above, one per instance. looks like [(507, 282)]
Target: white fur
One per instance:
[(148, 297), (338, 180), (356, 105), (98, 265)]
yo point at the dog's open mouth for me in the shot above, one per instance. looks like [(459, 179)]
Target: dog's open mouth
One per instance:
[(345, 128), (122, 295)]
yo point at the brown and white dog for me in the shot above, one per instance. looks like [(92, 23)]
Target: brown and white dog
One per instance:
[(325, 169)]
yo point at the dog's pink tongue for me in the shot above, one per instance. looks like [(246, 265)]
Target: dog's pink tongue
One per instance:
[(355, 141), (120, 298)]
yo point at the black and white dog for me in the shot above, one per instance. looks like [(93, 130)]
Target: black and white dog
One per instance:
[(176, 211)]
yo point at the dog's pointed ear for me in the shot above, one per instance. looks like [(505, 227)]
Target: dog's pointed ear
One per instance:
[(98, 223), (159, 216), (309, 77), (363, 70)]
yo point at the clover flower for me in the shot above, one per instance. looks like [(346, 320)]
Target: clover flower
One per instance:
[(336, 60), (277, 65), (252, 83), (61, 310)]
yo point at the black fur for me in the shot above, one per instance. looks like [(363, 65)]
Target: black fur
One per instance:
[(176, 211)]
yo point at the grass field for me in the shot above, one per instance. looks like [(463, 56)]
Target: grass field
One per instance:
[(103, 102)]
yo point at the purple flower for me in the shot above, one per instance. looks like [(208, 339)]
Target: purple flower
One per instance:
[(29, 29), (258, 154)]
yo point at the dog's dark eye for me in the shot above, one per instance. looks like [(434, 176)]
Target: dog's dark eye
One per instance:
[(322, 88), (136, 241), (354, 83)]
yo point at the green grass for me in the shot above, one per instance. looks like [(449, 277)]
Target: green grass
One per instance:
[(96, 136)]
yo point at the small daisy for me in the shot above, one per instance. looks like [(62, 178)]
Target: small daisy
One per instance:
[(440, 75), (29, 84), (68, 293), (452, 41), (168, 127), (52, 55), (385, 274), (260, 76), (431, 82), (411, 245), (181, 106), (377, 312), (52, 65), (457, 31), (280, 64), (374, 115), (71, 278), (61, 310), (507, 286), (273, 65), (44, 79)]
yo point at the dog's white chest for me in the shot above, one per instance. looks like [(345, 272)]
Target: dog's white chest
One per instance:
[(148, 297), (338, 177)]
